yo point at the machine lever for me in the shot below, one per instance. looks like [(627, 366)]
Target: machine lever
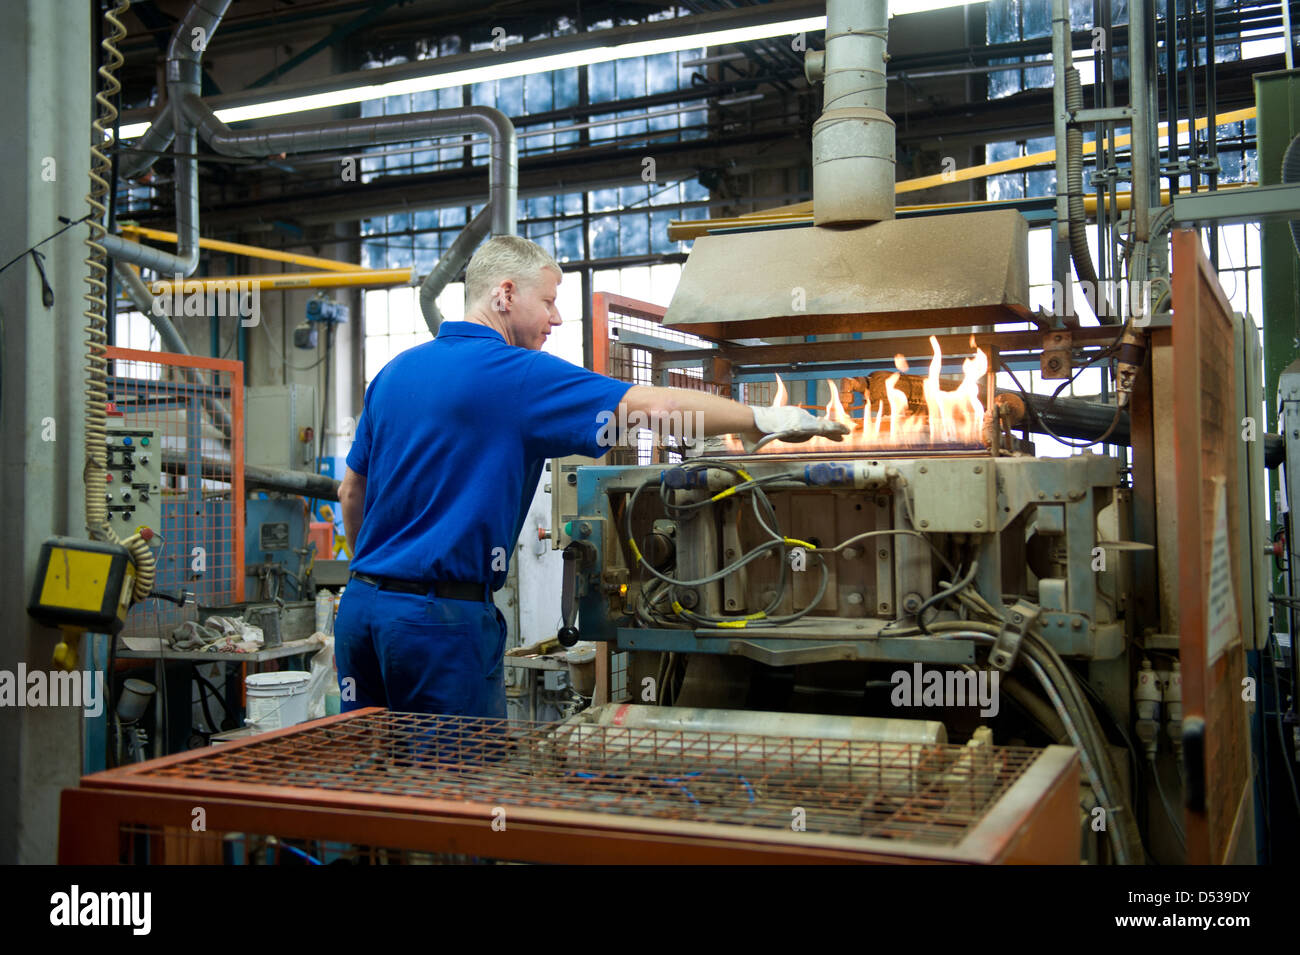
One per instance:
[(574, 554)]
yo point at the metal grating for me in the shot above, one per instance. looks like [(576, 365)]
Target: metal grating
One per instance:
[(919, 793), (195, 408)]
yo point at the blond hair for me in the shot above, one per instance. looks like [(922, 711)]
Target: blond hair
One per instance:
[(504, 257)]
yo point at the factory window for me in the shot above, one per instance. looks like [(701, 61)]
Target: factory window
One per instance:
[(393, 322), (133, 329), (1021, 184), (522, 97), (646, 76), (622, 222)]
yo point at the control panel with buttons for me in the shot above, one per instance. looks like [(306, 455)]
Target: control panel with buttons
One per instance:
[(134, 479)]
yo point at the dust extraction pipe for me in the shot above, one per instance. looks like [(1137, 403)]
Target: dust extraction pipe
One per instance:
[(188, 116), (853, 139), (499, 215), (449, 266), (184, 76), (356, 133)]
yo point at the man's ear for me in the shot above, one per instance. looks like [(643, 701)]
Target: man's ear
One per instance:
[(501, 296)]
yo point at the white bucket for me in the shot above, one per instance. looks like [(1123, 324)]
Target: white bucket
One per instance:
[(277, 700)]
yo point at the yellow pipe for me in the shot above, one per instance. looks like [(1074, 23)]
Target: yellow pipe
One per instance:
[(368, 278), (252, 251), (802, 211), (1048, 156)]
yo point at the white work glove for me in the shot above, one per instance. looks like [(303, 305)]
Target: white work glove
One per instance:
[(793, 424)]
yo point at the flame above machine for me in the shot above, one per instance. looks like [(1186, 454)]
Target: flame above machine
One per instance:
[(948, 415)]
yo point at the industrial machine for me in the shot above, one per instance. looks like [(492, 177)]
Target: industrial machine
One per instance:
[(884, 575)]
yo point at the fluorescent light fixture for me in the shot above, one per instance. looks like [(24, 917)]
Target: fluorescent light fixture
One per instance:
[(540, 64)]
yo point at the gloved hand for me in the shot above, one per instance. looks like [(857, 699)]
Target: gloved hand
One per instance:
[(793, 424)]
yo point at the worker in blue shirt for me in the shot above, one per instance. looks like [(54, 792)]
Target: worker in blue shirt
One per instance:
[(446, 458)]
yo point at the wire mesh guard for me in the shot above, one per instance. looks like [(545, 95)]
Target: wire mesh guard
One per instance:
[(922, 793), (192, 411)]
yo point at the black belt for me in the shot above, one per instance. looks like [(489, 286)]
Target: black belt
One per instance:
[(450, 589)]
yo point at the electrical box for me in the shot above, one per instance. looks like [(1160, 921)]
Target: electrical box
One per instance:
[(82, 584), (132, 482), (562, 483), (280, 427)]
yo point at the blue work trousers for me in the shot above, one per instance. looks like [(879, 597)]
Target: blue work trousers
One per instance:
[(416, 653)]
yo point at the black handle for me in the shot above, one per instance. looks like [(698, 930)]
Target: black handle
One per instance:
[(568, 634)]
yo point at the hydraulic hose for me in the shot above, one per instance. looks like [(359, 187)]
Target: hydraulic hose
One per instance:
[(102, 142), (1079, 250)]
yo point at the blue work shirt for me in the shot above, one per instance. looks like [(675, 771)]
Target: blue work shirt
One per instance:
[(452, 440)]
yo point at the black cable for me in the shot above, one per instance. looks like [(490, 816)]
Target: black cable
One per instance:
[(934, 599), (47, 293), (1037, 416), (1263, 736), (68, 224), (1277, 700), (203, 699), (110, 754), (205, 683)]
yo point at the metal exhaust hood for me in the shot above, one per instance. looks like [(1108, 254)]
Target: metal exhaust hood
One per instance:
[(857, 268)]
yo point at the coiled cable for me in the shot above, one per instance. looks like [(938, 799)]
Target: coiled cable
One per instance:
[(94, 475)]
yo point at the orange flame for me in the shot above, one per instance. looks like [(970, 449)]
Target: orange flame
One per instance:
[(953, 416)]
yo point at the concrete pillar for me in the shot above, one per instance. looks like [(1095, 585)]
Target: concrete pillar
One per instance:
[(46, 115)]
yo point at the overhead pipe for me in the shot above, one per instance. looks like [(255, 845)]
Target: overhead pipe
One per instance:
[(149, 148), (184, 77), (250, 251), (498, 216), (270, 281), (257, 477), (143, 299), (449, 266), (503, 159), (853, 139)]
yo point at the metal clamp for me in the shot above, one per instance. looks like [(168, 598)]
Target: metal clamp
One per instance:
[(1007, 646)]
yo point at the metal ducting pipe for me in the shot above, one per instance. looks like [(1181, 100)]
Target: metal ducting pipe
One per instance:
[(184, 77), (853, 139), (498, 216), (503, 161), (149, 148), (258, 477), (138, 292), (449, 266)]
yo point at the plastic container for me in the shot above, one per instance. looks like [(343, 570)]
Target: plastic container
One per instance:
[(277, 700), (325, 612)]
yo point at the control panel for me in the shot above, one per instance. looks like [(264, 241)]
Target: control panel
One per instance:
[(133, 480)]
